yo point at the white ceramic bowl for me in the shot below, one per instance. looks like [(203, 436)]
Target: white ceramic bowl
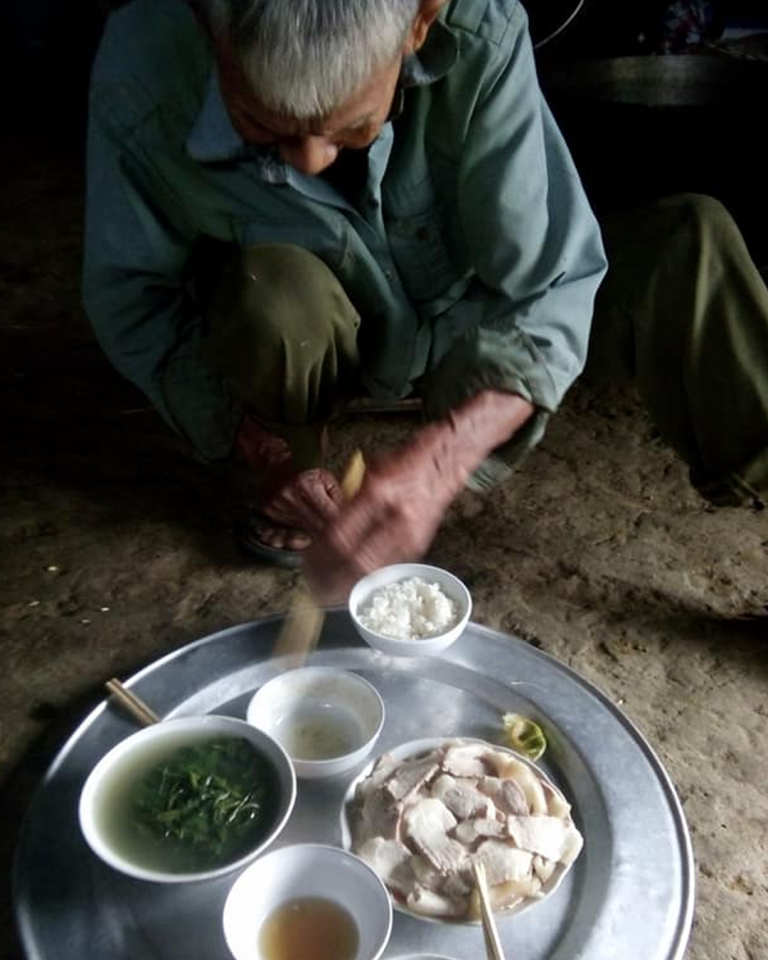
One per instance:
[(362, 593), (307, 870), (109, 783), (327, 720), (416, 748)]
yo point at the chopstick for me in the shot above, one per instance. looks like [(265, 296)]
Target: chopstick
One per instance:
[(134, 705), (300, 630), (353, 475), (493, 948), (304, 620)]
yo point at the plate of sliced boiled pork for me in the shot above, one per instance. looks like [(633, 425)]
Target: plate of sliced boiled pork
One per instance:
[(421, 813)]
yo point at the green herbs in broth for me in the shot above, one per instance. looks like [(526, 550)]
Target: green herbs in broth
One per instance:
[(193, 807)]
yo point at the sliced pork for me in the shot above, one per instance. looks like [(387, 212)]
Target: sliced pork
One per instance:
[(503, 862), (420, 823), (463, 798), (408, 777), (432, 904), (550, 837), (508, 795), (392, 861), (465, 760), (472, 830), (426, 824)]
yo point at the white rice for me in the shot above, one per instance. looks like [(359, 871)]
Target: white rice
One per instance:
[(410, 609)]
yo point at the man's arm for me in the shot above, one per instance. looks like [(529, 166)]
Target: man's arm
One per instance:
[(405, 494), (136, 292), (513, 349), (534, 243)]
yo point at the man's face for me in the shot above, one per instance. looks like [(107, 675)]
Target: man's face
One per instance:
[(310, 146)]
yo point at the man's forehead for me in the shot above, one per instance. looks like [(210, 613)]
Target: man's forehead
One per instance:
[(355, 112), (344, 118)]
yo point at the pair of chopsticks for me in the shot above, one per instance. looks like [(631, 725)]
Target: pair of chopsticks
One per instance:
[(304, 620), (133, 704), (493, 948)]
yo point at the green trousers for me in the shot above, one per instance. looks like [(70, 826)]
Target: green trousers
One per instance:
[(682, 309), (283, 333)]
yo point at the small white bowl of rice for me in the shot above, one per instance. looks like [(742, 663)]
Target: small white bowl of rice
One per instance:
[(410, 609)]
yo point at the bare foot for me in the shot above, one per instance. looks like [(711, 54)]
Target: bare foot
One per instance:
[(300, 508), (281, 538)]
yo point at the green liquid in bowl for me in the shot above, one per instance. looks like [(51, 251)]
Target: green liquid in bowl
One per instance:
[(189, 808)]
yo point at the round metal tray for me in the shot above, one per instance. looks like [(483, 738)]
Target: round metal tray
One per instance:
[(630, 893)]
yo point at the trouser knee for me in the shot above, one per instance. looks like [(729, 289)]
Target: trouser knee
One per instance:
[(706, 237), (684, 309), (283, 333), (704, 216)]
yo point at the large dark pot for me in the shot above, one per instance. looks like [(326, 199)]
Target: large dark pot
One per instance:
[(703, 81)]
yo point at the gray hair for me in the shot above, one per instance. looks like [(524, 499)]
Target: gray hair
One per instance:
[(302, 58)]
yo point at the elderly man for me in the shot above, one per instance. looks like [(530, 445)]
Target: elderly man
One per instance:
[(394, 211), (291, 202)]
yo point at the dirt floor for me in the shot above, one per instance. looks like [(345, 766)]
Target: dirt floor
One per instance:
[(117, 548)]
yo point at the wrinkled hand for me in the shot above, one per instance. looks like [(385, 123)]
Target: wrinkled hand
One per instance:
[(405, 494), (394, 517)]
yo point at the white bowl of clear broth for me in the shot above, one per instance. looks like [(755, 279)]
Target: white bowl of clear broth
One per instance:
[(187, 799), (308, 900), (326, 719)]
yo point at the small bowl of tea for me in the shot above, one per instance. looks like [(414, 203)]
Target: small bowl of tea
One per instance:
[(308, 900), (326, 719), (187, 799)]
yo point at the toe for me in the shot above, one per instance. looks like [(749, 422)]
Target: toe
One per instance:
[(282, 538)]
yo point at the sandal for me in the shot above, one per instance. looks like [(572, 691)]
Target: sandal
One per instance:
[(251, 543), (270, 458)]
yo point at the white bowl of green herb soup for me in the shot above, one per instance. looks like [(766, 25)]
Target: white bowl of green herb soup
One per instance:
[(187, 799)]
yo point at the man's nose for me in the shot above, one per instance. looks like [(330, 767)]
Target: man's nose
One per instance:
[(310, 155)]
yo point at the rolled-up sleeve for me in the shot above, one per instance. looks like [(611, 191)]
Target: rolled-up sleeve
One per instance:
[(536, 250)]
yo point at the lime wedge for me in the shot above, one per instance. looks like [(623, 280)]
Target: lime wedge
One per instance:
[(524, 736)]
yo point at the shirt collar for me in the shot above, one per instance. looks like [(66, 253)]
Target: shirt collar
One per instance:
[(434, 60), (431, 63), (214, 139)]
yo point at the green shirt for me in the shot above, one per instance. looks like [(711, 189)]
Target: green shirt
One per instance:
[(472, 256)]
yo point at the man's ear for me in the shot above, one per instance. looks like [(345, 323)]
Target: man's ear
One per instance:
[(428, 10)]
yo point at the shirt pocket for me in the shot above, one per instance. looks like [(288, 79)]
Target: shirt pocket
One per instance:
[(418, 226), (326, 244)]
